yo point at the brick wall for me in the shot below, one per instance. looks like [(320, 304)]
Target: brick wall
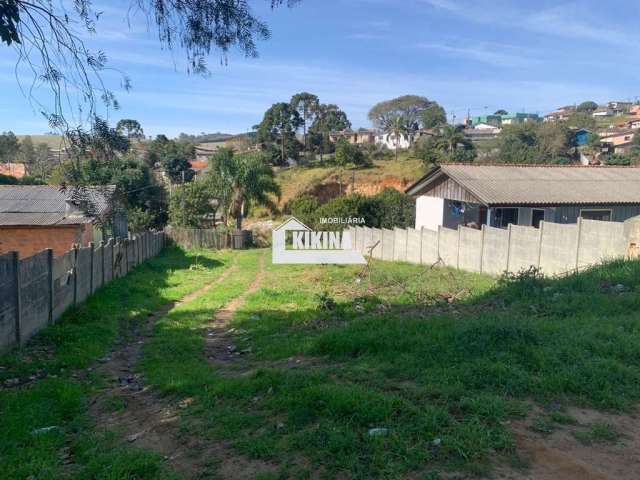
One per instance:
[(28, 240)]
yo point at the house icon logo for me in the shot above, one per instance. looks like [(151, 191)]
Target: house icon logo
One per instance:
[(305, 246)]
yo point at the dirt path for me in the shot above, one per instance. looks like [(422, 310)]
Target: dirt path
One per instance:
[(218, 342), (560, 455), (137, 415)]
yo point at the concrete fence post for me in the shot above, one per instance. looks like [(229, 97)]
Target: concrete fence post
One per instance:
[(102, 261), (50, 283), (482, 234), (91, 260), (458, 249), (438, 243), (18, 302), (579, 234), (75, 274), (421, 239), (541, 227), (508, 247)]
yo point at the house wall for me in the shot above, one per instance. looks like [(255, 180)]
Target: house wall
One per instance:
[(429, 212), (28, 240), (570, 214)]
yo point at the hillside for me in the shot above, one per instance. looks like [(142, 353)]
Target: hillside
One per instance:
[(329, 181)]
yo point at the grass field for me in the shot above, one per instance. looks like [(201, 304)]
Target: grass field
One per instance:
[(397, 371)]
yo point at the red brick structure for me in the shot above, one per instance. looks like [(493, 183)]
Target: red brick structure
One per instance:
[(28, 240), (36, 217)]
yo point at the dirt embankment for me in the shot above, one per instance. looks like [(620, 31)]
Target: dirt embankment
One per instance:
[(336, 186)]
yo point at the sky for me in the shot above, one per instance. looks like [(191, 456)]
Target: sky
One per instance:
[(472, 56)]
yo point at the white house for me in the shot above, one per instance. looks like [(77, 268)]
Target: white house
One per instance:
[(499, 195), (390, 140)]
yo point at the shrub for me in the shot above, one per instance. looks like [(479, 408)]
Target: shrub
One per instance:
[(190, 204), (303, 207), (348, 154), (394, 208)]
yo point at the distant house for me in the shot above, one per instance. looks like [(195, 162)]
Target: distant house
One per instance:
[(390, 140), (617, 140), (360, 137), (582, 137), (620, 108), (634, 110), (560, 114), (34, 218), (602, 112), (506, 119), (482, 131), (16, 170), (452, 195)]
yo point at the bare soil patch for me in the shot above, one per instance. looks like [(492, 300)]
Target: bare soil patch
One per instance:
[(559, 455)]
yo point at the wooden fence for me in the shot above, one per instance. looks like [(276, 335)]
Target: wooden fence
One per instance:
[(35, 291)]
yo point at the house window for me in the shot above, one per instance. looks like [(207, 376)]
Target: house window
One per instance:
[(505, 216), (602, 215), (537, 215)]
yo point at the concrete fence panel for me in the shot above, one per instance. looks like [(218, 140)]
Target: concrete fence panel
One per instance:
[(367, 240), (400, 244), (107, 249), (448, 246), (600, 241), (63, 283), (358, 238), (429, 246), (495, 245), (35, 294), (35, 291), (470, 249), (83, 269), (414, 245), (558, 247), (524, 247), (9, 318), (376, 239), (388, 240), (96, 275)]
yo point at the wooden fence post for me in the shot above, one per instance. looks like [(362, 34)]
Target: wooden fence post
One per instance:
[(18, 304), (50, 282)]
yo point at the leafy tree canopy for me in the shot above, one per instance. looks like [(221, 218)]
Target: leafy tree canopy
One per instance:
[(433, 116), (409, 107), (130, 128), (277, 132), (48, 38), (173, 157), (589, 106), (501, 112)]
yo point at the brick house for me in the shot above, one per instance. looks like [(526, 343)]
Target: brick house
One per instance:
[(37, 217)]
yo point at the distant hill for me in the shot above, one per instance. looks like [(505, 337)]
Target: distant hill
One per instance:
[(54, 142), (204, 137)]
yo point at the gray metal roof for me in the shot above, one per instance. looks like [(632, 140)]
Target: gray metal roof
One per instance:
[(47, 204), (539, 185)]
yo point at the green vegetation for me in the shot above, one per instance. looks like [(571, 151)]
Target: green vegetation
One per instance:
[(386, 209), (382, 372), (599, 432), (44, 422)]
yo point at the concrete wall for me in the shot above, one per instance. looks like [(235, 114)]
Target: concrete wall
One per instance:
[(400, 244), (554, 248), (35, 291)]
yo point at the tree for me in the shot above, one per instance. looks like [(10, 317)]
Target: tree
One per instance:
[(537, 143), (248, 178), (307, 106), (348, 154), (588, 106), (46, 37), (582, 120), (279, 126), (394, 209), (130, 128), (27, 154), (173, 157), (190, 205), (408, 107), (329, 118), (433, 116), (501, 112), (449, 145), (9, 147)]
